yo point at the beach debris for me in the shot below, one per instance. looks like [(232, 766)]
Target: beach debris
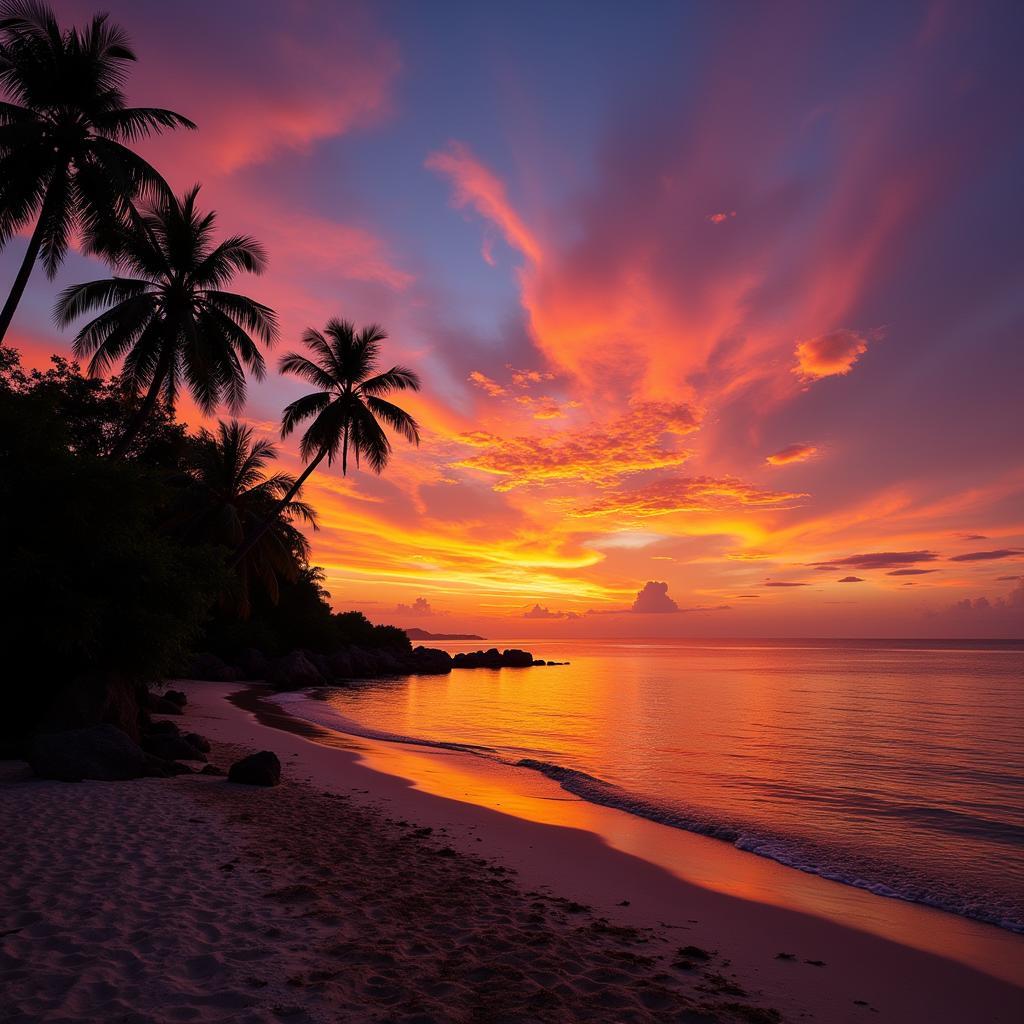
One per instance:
[(816, 963), (211, 769), (261, 769), (785, 956)]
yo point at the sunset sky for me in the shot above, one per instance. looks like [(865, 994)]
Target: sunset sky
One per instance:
[(723, 303)]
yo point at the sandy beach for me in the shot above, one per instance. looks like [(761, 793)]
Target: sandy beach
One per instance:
[(362, 889)]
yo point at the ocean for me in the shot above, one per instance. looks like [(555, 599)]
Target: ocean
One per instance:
[(894, 766)]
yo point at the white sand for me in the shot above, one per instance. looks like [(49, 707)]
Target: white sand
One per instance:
[(190, 899)]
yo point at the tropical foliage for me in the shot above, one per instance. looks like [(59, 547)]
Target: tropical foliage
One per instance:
[(172, 322), (228, 496), (65, 132), (129, 540)]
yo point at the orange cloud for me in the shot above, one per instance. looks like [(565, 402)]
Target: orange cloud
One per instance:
[(688, 494), (630, 444), (792, 453), (829, 355), (482, 381), (524, 378)]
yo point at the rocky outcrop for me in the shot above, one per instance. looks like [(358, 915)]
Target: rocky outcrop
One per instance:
[(294, 671), (251, 663), (211, 668), (262, 769), (493, 658), (303, 668)]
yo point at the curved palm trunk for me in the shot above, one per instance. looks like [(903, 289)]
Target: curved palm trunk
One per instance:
[(278, 508), (24, 272), (138, 421)]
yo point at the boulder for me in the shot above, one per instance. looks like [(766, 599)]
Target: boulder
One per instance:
[(253, 663), (199, 742), (363, 663), (164, 727), (514, 658), (95, 698), (98, 752), (340, 664), (211, 769), (158, 768), (294, 672), (162, 706), (176, 697), (262, 769), (171, 748), (430, 661), (212, 668)]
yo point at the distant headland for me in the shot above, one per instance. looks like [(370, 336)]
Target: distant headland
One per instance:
[(422, 634)]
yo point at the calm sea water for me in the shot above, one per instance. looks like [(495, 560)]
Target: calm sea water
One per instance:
[(897, 767)]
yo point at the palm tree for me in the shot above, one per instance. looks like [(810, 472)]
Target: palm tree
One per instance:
[(171, 322), (348, 406), (64, 161), (229, 496)]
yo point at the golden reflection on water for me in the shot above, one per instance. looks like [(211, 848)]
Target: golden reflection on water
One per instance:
[(874, 750)]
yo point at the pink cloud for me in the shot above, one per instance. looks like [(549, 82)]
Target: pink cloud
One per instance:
[(829, 355), (792, 453), (478, 187)]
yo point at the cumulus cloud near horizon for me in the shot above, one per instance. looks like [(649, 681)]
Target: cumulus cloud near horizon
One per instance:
[(653, 598), (543, 612), (421, 606)]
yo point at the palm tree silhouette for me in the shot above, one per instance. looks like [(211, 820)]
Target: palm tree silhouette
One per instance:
[(348, 406), (171, 322), (63, 155), (229, 496)]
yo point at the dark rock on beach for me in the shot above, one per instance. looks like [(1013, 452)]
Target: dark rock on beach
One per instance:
[(97, 698), (199, 742), (164, 727), (176, 697), (262, 769), (162, 706), (172, 748), (99, 752)]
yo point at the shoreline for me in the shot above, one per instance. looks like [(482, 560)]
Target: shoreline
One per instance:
[(391, 883), (965, 968), (591, 790)]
